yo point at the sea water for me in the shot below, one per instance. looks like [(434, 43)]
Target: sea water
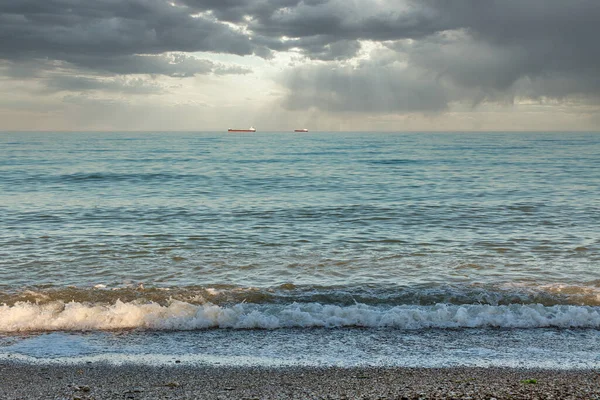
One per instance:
[(417, 249)]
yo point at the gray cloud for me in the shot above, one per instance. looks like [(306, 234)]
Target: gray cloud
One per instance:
[(51, 28), (339, 19), (483, 47), (326, 49), (125, 74), (174, 65), (532, 39), (237, 10), (372, 86), (69, 28), (472, 51), (436, 51), (115, 85), (322, 29), (115, 37)]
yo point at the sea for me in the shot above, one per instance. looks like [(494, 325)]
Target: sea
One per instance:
[(301, 249)]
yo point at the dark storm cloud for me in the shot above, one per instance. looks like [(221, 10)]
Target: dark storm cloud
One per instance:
[(527, 38), (442, 51), (315, 26), (472, 50), (343, 20), (49, 28), (569, 26), (46, 28), (61, 28), (114, 36), (476, 50)]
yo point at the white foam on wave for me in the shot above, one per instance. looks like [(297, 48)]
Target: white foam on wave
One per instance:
[(26, 316)]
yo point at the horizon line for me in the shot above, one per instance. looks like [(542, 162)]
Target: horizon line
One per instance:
[(289, 131)]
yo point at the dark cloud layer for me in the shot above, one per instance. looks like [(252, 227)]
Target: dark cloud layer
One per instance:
[(116, 37), (433, 52), (471, 50), (51, 28)]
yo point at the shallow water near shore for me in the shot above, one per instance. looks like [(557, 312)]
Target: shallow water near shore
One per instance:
[(344, 249), (434, 348)]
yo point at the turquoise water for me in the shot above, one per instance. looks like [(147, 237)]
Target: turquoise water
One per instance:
[(162, 232)]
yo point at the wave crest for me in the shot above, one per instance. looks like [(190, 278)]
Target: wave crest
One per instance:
[(177, 315)]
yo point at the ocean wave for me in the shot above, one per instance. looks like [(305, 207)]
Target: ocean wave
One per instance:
[(177, 315), (111, 177), (587, 294)]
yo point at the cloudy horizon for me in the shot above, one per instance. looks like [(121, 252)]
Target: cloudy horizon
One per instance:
[(385, 65)]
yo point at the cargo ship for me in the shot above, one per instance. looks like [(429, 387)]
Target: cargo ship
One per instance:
[(301, 130), (251, 129)]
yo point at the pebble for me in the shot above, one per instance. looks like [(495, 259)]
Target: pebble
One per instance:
[(201, 382)]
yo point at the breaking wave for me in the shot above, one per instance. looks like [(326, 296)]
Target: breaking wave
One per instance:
[(587, 294), (178, 315)]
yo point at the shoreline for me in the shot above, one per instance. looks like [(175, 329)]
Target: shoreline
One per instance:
[(106, 381)]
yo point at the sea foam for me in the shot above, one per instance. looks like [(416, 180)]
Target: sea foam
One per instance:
[(178, 315)]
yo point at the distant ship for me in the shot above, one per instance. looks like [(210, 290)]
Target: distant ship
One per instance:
[(251, 129), (301, 130)]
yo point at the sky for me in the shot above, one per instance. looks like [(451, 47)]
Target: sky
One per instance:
[(328, 65)]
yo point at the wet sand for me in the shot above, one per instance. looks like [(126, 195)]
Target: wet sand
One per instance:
[(180, 381)]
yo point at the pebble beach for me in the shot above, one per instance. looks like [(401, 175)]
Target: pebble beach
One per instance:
[(180, 381)]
